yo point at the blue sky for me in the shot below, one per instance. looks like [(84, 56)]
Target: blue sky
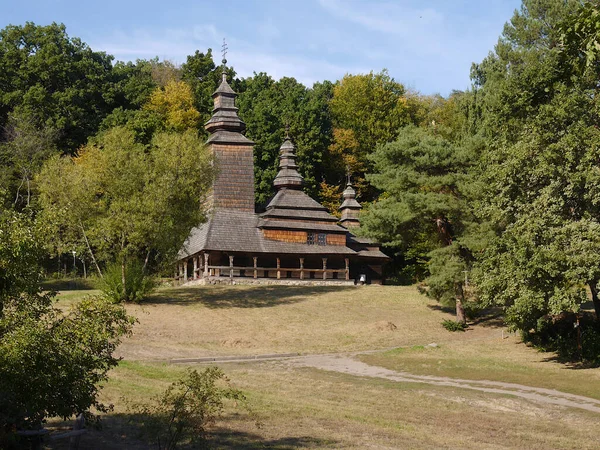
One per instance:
[(429, 46)]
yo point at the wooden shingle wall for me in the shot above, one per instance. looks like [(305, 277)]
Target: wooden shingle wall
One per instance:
[(234, 185), (297, 237)]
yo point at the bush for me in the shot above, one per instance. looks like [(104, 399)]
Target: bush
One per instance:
[(559, 334), (452, 325), (137, 283), (185, 410), (51, 362)]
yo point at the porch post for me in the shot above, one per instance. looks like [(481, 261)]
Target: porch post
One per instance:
[(324, 268), (347, 268), (302, 268), (185, 264), (255, 264), (206, 264), (231, 268), (278, 271), (196, 267)]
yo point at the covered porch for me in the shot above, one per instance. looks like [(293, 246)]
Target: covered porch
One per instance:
[(239, 265)]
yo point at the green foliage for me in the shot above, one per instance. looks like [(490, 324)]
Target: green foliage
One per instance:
[(267, 106), (188, 407), (138, 284), (540, 178), (452, 325), (55, 81), (424, 178), (51, 362), (572, 337), (366, 109), (25, 149), (123, 200)]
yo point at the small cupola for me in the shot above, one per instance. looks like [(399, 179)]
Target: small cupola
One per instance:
[(350, 208), (288, 176), (224, 117)]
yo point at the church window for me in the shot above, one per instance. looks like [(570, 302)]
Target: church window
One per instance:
[(322, 239), (310, 238)]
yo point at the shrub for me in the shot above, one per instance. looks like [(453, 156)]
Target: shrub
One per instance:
[(559, 334), (51, 362), (137, 283), (185, 410), (452, 325)]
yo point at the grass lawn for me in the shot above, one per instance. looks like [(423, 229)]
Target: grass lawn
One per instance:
[(252, 320), (309, 408)]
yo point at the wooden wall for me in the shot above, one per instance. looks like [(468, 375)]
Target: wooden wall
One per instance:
[(234, 184)]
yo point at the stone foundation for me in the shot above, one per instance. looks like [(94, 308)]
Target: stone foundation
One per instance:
[(267, 281)]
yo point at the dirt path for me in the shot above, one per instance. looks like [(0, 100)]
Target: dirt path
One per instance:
[(345, 364)]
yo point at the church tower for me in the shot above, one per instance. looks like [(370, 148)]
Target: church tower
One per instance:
[(350, 208), (233, 187)]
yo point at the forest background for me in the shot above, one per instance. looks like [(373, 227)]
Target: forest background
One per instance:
[(490, 196)]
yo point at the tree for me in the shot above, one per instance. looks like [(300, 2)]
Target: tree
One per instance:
[(51, 363), (128, 201), (175, 105), (25, 149), (540, 119), (267, 106), (366, 110), (423, 207), (54, 81)]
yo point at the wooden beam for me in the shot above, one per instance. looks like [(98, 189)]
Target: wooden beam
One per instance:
[(255, 264), (195, 267), (185, 264), (231, 268), (324, 268), (278, 267), (302, 268), (347, 260), (206, 273)]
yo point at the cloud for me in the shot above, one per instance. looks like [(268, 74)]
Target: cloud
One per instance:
[(245, 57), (385, 17)]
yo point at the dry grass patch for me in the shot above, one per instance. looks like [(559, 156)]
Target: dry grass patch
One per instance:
[(307, 408), (248, 320), (505, 360)]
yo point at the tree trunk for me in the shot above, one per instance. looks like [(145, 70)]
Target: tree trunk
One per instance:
[(123, 277), (595, 298), (443, 229), (460, 308), (90, 249)]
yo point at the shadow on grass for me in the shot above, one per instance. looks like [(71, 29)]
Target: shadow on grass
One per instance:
[(68, 284), (490, 318), (231, 439), (121, 431), (240, 297), (572, 363), (442, 308)]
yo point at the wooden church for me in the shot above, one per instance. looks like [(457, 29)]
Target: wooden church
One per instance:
[(294, 241)]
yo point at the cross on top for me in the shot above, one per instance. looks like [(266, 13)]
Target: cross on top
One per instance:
[(224, 51), (348, 174), (287, 130)]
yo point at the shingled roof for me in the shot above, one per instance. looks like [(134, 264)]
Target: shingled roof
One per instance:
[(230, 230)]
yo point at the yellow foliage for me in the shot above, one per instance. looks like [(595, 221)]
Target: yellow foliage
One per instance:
[(175, 102), (331, 197)]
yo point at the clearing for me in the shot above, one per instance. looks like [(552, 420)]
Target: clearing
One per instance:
[(453, 394)]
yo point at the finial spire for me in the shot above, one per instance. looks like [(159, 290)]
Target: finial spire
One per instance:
[(348, 175), (224, 49), (287, 130)]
